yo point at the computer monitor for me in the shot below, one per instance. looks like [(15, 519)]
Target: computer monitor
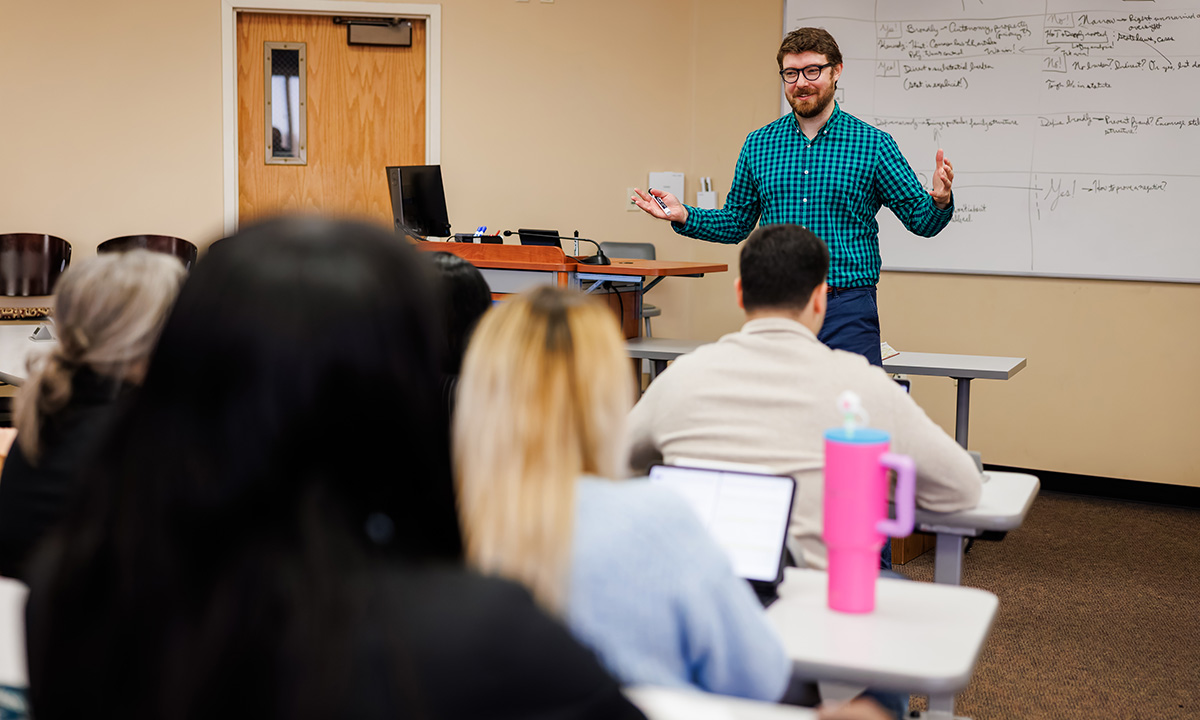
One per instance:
[(419, 200)]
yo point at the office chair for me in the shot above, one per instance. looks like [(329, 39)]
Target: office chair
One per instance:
[(180, 248), (30, 263)]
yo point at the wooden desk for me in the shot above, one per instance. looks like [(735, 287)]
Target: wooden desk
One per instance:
[(922, 638), (964, 369), (539, 258), (511, 269), (657, 269)]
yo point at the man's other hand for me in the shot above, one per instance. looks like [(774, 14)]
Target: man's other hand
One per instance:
[(943, 178)]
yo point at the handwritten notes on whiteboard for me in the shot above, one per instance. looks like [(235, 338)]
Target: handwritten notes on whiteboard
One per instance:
[(1074, 128)]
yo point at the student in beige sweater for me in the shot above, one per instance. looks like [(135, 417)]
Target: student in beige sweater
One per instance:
[(766, 394)]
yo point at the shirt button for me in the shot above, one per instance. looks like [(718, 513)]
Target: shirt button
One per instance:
[(805, 172), (804, 200)]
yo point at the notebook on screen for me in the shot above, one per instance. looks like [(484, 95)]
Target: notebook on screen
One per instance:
[(747, 514)]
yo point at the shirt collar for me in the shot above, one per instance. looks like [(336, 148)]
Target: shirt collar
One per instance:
[(762, 326), (830, 125)]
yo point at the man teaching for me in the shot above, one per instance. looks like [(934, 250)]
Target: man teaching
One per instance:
[(825, 169)]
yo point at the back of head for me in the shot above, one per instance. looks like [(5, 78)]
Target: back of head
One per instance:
[(781, 266), (303, 357), (809, 39), (109, 311), (543, 397), (465, 298), (289, 430)]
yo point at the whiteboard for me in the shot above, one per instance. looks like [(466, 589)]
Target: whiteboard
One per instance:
[(1074, 128)]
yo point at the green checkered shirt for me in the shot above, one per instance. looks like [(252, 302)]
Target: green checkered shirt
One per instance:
[(833, 185)]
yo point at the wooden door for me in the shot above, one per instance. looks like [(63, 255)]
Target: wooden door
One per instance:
[(366, 110)]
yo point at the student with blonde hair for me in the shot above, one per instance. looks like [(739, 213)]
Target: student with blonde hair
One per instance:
[(538, 448), (108, 313)]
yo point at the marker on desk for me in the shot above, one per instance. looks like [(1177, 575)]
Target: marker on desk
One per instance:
[(480, 231), (661, 204)]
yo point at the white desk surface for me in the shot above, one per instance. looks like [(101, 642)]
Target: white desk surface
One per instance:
[(922, 638), (12, 633), (653, 348), (671, 704), (972, 367), (1003, 505), (15, 347)]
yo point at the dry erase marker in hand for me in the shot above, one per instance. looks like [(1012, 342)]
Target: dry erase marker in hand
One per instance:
[(661, 204)]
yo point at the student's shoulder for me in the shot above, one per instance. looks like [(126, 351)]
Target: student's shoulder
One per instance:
[(711, 355), (678, 382), (647, 518), (854, 372), (636, 498), (448, 590), (483, 647)]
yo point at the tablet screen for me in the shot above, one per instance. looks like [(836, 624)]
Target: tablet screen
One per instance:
[(746, 513)]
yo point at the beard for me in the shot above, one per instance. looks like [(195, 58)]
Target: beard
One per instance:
[(813, 105)]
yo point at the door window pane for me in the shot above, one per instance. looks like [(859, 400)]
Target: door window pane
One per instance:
[(285, 103)]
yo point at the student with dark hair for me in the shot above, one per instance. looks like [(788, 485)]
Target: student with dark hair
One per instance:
[(273, 533), (766, 394), (786, 264), (465, 297), (109, 310)]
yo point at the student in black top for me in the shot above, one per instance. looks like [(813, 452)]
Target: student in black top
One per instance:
[(109, 311), (465, 297), (273, 532)]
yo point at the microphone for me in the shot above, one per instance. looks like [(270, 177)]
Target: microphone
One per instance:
[(598, 259)]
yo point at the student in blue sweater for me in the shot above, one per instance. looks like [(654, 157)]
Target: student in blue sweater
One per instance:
[(539, 447)]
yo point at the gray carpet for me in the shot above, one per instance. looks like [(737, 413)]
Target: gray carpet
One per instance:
[(1099, 613)]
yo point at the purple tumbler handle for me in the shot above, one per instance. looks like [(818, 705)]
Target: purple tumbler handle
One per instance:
[(905, 497)]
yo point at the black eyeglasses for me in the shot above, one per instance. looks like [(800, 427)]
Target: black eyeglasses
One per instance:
[(812, 72)]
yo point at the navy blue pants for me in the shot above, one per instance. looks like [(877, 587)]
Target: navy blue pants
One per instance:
[(852, 323)]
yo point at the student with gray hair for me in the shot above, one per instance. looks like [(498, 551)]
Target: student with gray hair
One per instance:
[(109, 311)]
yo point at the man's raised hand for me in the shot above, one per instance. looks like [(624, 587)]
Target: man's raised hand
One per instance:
[(943, 178), (645, 200)]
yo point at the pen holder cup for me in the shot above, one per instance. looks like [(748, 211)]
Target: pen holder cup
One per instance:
[(856, 520)]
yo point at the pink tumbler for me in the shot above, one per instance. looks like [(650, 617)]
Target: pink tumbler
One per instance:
[(856, 511)]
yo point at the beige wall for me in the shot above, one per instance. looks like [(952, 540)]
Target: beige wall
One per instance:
[(111, 121), (112, 125)]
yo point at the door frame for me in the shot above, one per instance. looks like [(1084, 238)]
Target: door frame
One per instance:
[(431, 14)]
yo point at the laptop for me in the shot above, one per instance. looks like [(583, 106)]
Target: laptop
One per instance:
[(539, 237), (746, 512)]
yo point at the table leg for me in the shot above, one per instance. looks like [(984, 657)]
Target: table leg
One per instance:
[(947, 559), (963, 411), (659, 366)]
